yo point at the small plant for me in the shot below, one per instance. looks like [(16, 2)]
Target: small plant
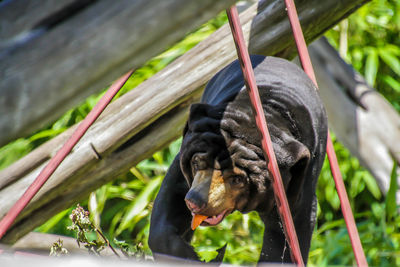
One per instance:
[(82, 225), (135, 251), (57, 249)]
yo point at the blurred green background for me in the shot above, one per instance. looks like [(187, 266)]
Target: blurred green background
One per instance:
[(122, 208)]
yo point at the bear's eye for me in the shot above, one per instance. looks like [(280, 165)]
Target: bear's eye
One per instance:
[(195, 166), (236, 180), (197, 163)]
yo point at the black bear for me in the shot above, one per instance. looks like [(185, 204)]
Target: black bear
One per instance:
[(221, 168)]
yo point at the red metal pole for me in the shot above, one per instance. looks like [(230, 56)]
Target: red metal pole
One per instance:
[(337, 176), (43, 176), (279, 190)]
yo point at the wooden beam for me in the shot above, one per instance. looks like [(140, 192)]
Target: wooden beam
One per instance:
[(147, 118), (60, 52), (362, 119), (22, 19), (40, 244)]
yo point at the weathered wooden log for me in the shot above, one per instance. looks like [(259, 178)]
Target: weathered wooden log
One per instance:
[(360, 117), (54, 54), (21, 20), (40, 243), (147, 118)]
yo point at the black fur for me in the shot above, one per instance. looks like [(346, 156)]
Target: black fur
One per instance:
[(222, 129)]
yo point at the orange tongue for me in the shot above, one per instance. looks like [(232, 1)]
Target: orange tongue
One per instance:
[(197, 220)]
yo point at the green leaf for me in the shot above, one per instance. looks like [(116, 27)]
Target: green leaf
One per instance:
[(330, 225), (46, 134), (394, 84), (371, 66), (44, 228), (93, 208), (371, 185), (114, 221), (139, 204), (13, 151), (153, 166), (391, 208), (393, 49), (332, 197), (391, 60), (378, 210), (207, 255), (158, 156)]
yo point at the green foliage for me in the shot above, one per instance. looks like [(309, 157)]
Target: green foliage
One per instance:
[(242, 232), (373, 49), (373, 46), (124, 205), (391, 209), (83, 228), (58, 224), (122, 208), (361, 186), (20, 147), (131, 250), (377, 228)]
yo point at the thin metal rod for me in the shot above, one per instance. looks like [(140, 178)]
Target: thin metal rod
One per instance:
[(337, 176), (345, 206), (44, 175), (279, 190)]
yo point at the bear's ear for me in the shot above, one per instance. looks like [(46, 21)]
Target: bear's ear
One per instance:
[(201, 110), (296, 163), (204, 118), (196, 111)]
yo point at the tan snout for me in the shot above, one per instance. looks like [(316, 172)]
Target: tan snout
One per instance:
[(208, 194)]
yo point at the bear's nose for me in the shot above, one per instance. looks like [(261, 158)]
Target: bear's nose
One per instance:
[(195, 202)]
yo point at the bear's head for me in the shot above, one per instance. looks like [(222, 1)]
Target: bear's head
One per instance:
[(223, 163)]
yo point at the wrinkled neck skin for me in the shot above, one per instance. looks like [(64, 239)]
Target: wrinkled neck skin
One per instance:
[(247, 149)]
